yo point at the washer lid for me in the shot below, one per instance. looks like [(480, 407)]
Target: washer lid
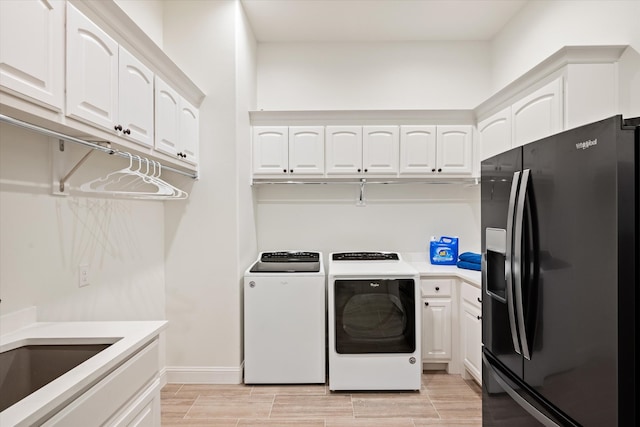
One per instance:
[(287, 262)]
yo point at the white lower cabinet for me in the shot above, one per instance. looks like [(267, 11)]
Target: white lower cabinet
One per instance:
[(471, 331), (129, 396), (436, 320)]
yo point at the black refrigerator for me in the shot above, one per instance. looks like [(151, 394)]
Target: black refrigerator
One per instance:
[(560, 246)]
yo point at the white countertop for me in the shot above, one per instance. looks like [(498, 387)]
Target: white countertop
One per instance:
[(127, 338), (425, 268)]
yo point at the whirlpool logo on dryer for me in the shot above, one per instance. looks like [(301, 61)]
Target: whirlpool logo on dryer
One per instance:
[(374, 284), (586, 144)]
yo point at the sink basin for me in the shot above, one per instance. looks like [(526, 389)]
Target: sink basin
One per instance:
[(25, 369)]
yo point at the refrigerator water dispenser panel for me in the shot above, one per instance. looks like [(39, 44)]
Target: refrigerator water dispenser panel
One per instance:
[(496, 241)]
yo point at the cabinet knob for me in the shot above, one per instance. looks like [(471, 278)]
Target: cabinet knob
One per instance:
[(433, 170), (437, 288), (118, 128), (291, 170), (426, 303), (479, 317), (439, 170), (366, 170), (127, 131), (359, 170), (284, 170)]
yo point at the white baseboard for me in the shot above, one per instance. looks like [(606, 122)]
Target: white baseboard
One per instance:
[(202, 375)]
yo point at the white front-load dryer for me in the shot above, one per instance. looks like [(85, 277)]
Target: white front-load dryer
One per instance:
[(374, 322), (285, 319)]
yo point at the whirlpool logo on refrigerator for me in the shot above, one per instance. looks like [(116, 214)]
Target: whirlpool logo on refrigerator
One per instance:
[(586, 144)]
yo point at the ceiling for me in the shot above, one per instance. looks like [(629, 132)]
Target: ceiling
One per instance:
[(378, 20)]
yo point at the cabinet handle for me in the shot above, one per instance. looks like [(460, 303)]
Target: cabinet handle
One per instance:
[(127, 131), (426, 303), (118, 128), (479, 300), (437, 288), (479, 317)]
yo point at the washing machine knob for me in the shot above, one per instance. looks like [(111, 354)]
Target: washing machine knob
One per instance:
[(412, 360), (252, 284)]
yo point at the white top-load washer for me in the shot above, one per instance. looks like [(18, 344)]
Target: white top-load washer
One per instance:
[(285, 319), (374, 322)]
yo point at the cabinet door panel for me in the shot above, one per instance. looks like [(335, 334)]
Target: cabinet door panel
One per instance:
[(436, 329), (189, 135), (472, 339), (167, 105), (380, 147), (495, 134), (306, 150), (454, 149), (344, 149), (270, 150), (135, 95), (92, 71), (36, 27), (417, 149), (538, 115)]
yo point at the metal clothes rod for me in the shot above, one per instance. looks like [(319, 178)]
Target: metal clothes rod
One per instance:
[(58, 135)]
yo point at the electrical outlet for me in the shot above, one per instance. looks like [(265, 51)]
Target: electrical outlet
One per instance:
[(83, 275)]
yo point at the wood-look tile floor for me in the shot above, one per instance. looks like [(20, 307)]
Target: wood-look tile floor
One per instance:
[(444, 400)]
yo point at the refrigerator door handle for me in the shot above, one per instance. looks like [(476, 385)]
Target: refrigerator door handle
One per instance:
[(532, 410), (517, 262), (508, 271)]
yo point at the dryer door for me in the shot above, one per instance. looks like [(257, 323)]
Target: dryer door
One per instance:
[(375, 316)]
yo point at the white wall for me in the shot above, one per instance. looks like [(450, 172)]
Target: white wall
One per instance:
[(246, 52), (370, 76), (203, 282), (148, 14), (399, 217), (543, 27), (317, 76), (46, 237)]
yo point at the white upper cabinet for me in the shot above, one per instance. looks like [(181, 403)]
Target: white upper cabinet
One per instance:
[(495, 133), (417, 149), (106, 85), (282, 150), (92, 71), (36, 27), (189, 132), (538, 114), (436, 150), (270, 150), (357, 150), (454, 150), (344, 150), (135, 99), (380, 146), (306, 150), (177, 124)]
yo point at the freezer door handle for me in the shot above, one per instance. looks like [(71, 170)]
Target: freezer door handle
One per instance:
[(532, 410), (508, 271), (517, 262)]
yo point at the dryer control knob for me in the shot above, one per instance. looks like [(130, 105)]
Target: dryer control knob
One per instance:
[(412, 360), (252, 284)]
